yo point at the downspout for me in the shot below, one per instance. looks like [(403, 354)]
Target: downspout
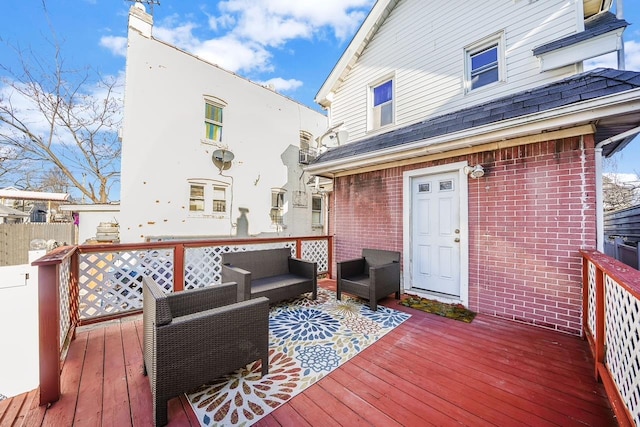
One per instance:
[(619, 15), (599, 193)]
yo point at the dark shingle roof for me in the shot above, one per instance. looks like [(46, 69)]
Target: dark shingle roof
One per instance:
[(599, 24), (581, 87)]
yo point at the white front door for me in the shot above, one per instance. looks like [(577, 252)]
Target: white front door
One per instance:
[(435, 233)]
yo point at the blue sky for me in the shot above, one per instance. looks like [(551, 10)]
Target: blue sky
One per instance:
[(292, 44)]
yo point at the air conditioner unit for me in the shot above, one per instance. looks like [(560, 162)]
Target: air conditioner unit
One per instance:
[(306, 156)]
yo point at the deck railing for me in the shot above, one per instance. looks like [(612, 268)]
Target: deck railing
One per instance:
[(611, 323), (91, 283)]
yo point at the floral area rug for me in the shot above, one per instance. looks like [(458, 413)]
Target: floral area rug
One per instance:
[(307, 340)]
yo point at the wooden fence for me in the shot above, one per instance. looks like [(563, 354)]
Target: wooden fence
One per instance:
[(15, 239), (622, 234)]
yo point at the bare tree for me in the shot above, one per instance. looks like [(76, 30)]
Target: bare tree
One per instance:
[(619, 195), (59, 121)]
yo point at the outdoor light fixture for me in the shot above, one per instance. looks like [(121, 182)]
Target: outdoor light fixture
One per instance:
[(474, 171)]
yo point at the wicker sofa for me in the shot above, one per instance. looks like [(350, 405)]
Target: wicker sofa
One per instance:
[(270, 273), (195, 336)]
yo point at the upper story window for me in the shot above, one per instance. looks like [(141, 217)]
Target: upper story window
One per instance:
[(277, 205), (213, 120), (382, 104), (208, 198), (219, 199), (484, 62), (316, 210), (196, 198)]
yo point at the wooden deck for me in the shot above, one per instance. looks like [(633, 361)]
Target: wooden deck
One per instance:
[(428, 371)]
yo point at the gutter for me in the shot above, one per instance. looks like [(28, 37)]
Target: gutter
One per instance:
[(558, 118)]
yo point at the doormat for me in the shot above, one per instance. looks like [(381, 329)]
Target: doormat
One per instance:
[(450, 311), (307, 341)]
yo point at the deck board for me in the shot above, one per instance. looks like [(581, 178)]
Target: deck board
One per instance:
[(427, 371)]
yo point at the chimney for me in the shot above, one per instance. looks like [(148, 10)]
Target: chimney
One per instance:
[(140, 20)]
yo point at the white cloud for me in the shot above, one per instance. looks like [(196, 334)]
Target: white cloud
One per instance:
[(246, 30), (282, 85), (274, 22), (117, 45)]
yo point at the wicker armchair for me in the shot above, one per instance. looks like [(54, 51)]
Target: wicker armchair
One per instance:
[(372, 277), (195, 336)]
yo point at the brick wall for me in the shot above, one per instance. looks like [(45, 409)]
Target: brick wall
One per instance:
[(528, 217)]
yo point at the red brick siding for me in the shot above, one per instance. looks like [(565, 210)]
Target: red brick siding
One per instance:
[(528, 217)]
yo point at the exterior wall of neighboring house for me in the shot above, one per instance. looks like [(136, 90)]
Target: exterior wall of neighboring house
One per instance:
[(89, 217), (528, 217), (422, 48), (165, 151)]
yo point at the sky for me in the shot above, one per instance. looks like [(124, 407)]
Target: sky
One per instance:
[(292, 44)]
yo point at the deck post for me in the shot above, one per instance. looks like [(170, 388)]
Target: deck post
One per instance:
[(49, 332)]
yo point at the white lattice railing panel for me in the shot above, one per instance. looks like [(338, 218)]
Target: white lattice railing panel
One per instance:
[(316, 251), (111, 282), (622, 323), (591, 309), (65, 302), (203, 266)]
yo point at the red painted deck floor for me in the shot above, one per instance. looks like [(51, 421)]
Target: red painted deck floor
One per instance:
[(428, 371)]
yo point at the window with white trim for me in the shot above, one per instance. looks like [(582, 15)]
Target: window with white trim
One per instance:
[(208, 198), (382, 104), (316, 210), (219, 199), (484, 62), (213, 121), (196, 198), (277, 205)]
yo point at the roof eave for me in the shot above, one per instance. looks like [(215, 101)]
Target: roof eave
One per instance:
[(582, 113)]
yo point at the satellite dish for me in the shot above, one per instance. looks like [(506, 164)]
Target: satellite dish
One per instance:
[(222, 159)]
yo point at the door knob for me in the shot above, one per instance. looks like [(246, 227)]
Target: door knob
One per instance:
[(457, 239)]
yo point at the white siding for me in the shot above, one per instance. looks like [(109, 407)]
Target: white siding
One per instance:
[(162, 146), (423, 44)]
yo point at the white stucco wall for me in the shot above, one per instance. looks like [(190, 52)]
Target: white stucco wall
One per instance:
[(163, 146)]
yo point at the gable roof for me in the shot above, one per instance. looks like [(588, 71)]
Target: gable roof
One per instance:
[(597, 25), (578, 90), (350, 56), (6, 211)]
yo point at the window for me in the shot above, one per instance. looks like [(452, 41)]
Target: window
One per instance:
[(208, 198), (219, 199), (316, 210), (484, 63), (196, 198), (382, 104), (213, 121), (277, 206)]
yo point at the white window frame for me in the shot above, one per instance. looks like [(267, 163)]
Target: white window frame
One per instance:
[(219, 103), (277, 209), (208, 199), (497, 40), (315, 212), (202, 199), (373, 125)]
